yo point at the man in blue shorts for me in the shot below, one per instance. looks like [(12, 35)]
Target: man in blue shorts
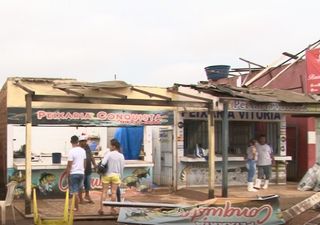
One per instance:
[(75, 168)]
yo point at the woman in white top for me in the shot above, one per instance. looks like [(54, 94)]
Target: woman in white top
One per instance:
[(115, 164), (251, 163)]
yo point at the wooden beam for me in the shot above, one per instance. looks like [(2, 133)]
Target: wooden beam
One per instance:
[(225, 147), (212, 156), (68, 91), (313, 45), (28, 169), (301, 207), (17, 83), (116, 101), (188, 95), (264, 71), (150, 94), (111, 93), (288, 66), (143, 204)]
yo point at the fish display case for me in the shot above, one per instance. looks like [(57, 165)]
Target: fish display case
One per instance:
[(50, 179)]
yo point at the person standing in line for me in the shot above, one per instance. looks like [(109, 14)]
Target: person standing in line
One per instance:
[(251, 163), (88, 170), (264, 162), (75, 168), (115, 164)]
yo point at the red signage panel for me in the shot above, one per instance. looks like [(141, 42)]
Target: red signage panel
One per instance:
[(313, 71)]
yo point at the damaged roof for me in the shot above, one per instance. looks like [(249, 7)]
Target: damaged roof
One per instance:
[(254, 94), (107, 92)]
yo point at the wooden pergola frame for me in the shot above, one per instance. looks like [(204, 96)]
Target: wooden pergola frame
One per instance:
[(199, 102)]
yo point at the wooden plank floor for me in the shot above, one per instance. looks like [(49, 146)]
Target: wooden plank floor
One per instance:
[(55, 207)]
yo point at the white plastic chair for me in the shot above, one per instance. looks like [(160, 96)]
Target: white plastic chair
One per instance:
[(8, 202)]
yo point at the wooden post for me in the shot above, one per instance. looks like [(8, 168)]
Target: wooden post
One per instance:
[(28, 154), (175, 150), (225, 147), (212, 168)]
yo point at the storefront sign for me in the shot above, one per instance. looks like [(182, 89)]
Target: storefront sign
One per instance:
[(239, 211), (313, 71), (239, 105), (245, 116), (92, 117)]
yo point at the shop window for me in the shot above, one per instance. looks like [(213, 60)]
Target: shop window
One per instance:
[(273, 136), (195, 132), (239, 135), (240, 132)]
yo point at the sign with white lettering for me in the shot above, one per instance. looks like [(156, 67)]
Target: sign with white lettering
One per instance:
[(239, 105), (313, 70), (243, 116), (236, 211), (91, 117)]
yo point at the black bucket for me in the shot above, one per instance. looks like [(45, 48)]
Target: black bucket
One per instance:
[(217, 72), (56, 157)]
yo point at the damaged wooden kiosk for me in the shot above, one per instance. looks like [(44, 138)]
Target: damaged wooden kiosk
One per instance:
[(41, 114), (63, 107)]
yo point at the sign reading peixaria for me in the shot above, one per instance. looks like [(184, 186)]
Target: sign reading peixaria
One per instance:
[(91, 117)]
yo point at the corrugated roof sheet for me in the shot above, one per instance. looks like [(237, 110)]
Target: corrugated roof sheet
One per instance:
[(256, 94)]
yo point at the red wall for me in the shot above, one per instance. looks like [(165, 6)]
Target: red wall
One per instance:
[(306, 152)]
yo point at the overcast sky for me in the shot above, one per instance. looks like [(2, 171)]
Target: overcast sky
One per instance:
[(151, 42)]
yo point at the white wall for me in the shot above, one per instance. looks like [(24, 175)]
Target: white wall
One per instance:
[(50, 139), (147, 143)]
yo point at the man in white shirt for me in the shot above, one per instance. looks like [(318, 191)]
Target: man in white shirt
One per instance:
[(75, 168), (264, 162)]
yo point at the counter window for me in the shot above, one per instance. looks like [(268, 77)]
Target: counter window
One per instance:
[(240, 132), (195, 132)]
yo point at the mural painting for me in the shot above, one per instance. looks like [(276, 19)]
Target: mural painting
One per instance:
[(54, 183), (193, 174), (197, 174)]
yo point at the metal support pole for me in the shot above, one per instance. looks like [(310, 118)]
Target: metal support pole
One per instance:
[(212, 169), (225, 145), (175, 151), (28, 154)]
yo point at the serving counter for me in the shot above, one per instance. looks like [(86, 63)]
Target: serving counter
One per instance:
[(193, 172), (51, 180), (46, 164)]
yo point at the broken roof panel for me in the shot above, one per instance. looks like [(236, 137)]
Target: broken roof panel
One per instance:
[(255, 94)]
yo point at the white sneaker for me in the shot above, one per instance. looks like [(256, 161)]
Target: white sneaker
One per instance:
[(250, 187), (258, 184), (266, 184)]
